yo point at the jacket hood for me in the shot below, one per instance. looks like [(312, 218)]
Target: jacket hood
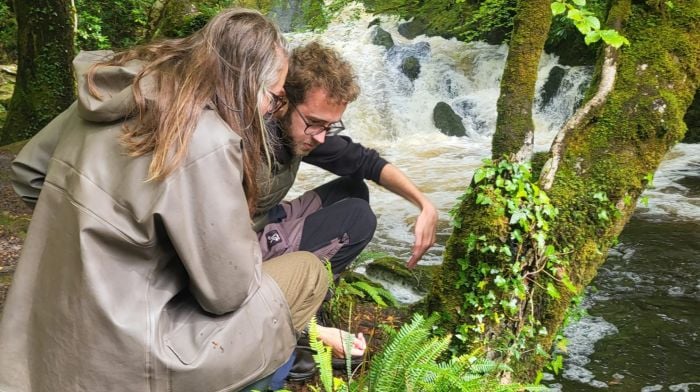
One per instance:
[(113, 83)]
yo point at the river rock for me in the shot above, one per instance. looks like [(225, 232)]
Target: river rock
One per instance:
[(692, 120), (394, 270), (382, 37), (374, 22), (551, 86), (413, 28), (447, 121), (410, 66)]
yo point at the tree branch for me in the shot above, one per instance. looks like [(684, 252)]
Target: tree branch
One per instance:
[(583, 114)]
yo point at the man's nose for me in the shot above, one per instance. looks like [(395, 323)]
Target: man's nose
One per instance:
[(320, 138)]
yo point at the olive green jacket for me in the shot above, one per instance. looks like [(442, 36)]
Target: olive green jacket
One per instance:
[(133, 285)]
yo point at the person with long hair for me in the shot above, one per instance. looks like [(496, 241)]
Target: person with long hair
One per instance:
[(140, 271)]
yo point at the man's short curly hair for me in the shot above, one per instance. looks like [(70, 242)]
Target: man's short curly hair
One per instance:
[(316, 66)]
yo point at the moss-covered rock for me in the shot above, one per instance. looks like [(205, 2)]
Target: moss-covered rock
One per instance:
[(394, 270), (447, 121), (413, 28), (410, 66), (382, 37)]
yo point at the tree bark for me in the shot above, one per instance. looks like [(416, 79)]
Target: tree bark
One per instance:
[(514, 134), (610, 152), (45, 84)]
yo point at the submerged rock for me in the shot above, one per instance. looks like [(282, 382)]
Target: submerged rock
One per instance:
[(447, 121)]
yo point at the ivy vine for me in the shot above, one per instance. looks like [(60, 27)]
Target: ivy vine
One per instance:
[(500, 275)]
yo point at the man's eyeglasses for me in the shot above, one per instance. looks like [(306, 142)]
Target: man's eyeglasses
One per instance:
[(276, 103), (331, 129)]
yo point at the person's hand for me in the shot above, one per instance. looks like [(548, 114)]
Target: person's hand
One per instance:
[(334, 338), (426, 226)]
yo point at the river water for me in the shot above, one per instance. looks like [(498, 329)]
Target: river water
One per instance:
[(643, 327)]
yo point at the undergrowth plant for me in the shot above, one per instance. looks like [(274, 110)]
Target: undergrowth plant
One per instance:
[(409, 362)]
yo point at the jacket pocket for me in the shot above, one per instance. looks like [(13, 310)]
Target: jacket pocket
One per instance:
[(191, 331)]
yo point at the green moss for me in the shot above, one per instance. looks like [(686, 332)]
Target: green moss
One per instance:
[(13, 224)]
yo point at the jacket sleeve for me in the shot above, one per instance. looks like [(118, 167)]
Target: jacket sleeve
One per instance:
[(204, 211), (343, 157), (31, 164)]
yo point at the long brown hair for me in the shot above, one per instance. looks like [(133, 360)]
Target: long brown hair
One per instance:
[(229, 65)]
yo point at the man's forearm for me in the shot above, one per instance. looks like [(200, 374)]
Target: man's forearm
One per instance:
[(397, 182)]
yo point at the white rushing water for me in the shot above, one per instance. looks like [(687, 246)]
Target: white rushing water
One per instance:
[(394, 116)]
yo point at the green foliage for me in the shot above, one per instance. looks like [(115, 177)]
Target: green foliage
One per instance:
[(500, 275), (587, 23), (409, 362), (492, 16), (323, 356), (8, 33), (104, 24)]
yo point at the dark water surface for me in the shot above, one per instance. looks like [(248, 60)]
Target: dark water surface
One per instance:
[(643, 328)]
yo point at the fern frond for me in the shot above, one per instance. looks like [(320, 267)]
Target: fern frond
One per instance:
[(323, 356), (378, 294)]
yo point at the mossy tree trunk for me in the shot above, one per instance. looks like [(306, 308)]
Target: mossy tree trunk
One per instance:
[(45, 83), (514, 127), (606, 161)]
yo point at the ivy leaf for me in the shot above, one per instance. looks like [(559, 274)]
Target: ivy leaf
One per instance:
[(482, 199), (499, 281), (591, 37), (552, 291), (558, 8), (479, 175)]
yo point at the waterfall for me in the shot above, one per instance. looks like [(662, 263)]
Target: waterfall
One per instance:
[(395, 116)]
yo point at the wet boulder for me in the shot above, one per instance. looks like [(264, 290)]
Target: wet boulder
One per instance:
[(393, 270), (374, 22), (447, 121), (413, 28), (410, 66), (551, 86), (382, 37)]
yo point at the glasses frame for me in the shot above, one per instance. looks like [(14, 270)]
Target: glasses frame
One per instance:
[(331, 129), (276, 103)]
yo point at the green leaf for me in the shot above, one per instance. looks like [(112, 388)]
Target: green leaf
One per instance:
[(552, 291), (499, 281), (575, 15), (593, 22), (583, 26), (613, 38), (580, 3), (558, 8), (479, 175), (591, 37)]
